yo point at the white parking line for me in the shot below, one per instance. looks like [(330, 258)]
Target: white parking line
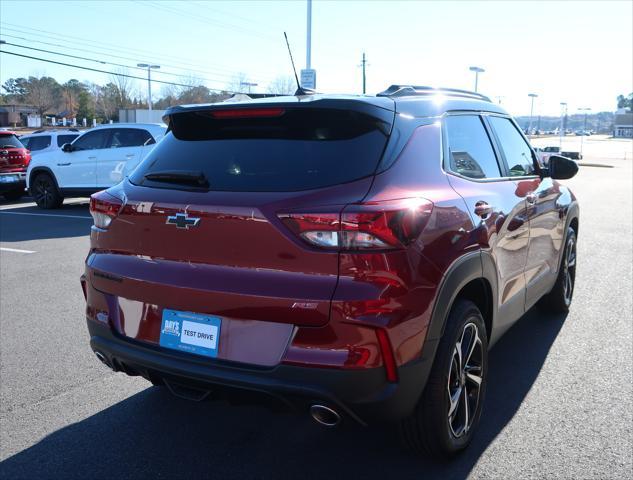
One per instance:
[(16, 250), (45, 215)]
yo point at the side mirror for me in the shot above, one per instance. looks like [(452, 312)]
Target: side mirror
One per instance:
[(67, 147), (562, 168)]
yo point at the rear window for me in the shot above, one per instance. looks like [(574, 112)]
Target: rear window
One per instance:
[(296, 149), (62, 139), (10, 141), (39, 143)]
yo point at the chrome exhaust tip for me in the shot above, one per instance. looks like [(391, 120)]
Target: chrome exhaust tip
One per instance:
[(103, 359), (325, 415)]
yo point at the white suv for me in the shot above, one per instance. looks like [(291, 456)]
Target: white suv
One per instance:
[(46, 141), (99, 158)]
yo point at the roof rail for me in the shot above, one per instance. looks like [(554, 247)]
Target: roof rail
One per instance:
[(413, 90)]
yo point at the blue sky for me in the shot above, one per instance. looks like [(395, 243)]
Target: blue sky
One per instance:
[(578, 52)]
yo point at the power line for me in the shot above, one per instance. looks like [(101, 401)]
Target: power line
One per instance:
[(101, 61), (106, 72), (103, 46), (228, 76)]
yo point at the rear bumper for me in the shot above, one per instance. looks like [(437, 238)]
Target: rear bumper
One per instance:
[(363, 395), (11, 181)]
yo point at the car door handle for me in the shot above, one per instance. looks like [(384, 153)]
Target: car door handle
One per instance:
[(531, 198), (482, 209), (129, 155), (92, 158), (63, 164)]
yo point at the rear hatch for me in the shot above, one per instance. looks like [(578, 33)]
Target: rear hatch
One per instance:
[(200, 227), (13, 156)]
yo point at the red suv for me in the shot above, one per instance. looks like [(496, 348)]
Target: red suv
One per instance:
[(14, 160), (349, 257)]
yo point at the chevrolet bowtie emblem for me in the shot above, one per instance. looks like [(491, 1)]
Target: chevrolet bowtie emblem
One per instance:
[(182, 220)]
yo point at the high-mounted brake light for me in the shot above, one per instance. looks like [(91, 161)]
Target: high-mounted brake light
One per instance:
[(247, 113), (370, 226), (104, 208)]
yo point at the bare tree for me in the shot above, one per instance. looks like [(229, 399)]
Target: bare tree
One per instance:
[(43, 93), (123, 86), (283, 85), (238, 83)]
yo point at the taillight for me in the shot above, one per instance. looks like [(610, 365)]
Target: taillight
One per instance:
[(103, 208), (370, 226)]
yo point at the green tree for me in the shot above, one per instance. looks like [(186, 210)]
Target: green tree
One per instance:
[(625, 102), (16, 89), (84, 107)]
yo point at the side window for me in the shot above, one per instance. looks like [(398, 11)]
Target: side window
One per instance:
[(469, 149), (39, 143), (129, 137), (91, 140), (61, 139), (25, 142), (516, 150)]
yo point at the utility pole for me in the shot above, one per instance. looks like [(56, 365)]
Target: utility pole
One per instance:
[(363, 63), (309, 37)]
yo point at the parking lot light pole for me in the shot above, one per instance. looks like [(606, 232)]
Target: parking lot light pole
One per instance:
[(477, 71), (584, 127), (561, 133), (533, 96), (248, 84), (149, 67)]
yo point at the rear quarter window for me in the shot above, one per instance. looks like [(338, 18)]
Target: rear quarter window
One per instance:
[(299, 149), (62, 139)]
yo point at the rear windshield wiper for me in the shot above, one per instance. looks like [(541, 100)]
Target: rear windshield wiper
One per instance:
[(195, 179)]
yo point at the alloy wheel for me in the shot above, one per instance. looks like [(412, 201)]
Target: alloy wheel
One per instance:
[(44, 191), (464, 380), (569, 270)]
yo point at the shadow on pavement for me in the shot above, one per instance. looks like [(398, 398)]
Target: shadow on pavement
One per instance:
[(155, 435), (21, 222)]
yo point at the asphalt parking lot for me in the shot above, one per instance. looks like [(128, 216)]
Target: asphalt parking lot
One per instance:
[(559, 403)]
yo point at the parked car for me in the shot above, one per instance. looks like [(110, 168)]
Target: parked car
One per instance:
[(14, 159), (354, 257), (45, 141), (97, 159), (544, 154)]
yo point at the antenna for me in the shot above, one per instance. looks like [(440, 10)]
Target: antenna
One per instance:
[(300, 89)]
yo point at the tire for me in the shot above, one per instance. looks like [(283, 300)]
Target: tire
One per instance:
[(14, 195), (559, 299), (45, 192), (435, 428)]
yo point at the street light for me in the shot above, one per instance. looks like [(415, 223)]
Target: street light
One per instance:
[(477, 71), (562, 123), (149, 81), (248, 84), (533, 96), (584, 127)]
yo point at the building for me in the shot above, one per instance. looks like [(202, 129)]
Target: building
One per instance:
[(131, 115), (19, 116), (623, 124)]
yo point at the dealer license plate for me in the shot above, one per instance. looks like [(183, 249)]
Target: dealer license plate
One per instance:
[(190, 332)]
